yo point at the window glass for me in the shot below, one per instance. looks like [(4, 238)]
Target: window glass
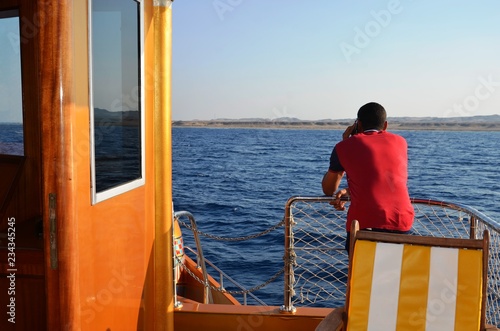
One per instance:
[(116, 96), (11, 108)]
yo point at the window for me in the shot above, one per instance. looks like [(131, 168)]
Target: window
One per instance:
[(117, 112), (11, 104)]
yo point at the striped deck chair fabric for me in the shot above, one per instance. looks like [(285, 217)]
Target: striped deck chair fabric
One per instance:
[(403, 282)]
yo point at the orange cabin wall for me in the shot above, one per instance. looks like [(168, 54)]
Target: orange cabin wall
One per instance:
[(106, 273), (114, 264)]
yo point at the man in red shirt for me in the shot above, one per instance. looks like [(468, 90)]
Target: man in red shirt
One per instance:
[(376, 164)]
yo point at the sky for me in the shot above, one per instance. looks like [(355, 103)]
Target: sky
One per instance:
[(324, 59), (321, 59), (10, 71)]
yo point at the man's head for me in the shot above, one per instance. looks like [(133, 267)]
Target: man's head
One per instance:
[(372, 117)]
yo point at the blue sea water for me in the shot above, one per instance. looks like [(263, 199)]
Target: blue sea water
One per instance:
[(236, 182), (11, 139)]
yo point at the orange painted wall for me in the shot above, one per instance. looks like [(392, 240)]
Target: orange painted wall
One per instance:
[(112, 263)]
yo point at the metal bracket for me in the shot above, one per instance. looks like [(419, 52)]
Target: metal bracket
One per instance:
[(53, 231), (162, 3)]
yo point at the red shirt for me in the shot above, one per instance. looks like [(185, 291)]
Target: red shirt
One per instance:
[(376, 164)]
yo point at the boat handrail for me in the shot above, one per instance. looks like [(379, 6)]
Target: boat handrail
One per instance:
[(432, 217), (460, 207), (242, 290), (207, 294), (202, 261), (315, 232)]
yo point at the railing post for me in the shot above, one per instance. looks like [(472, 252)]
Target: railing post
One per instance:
[(207, 295), (175, 263), (288, 290), (473, 227), (221, 277), (177, 303)]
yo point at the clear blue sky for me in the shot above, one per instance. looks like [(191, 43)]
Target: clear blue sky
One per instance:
[(324, 59), (319, 59)]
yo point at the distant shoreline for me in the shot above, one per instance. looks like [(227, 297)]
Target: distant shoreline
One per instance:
[(417, 126), (491, 123)]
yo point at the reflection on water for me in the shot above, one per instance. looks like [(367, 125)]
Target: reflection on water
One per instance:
[(117, 157)]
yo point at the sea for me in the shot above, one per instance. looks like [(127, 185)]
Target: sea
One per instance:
[(236, 183)]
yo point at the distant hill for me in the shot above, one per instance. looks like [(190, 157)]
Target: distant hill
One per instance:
[(472, 123), (103, 116), (469, 119)]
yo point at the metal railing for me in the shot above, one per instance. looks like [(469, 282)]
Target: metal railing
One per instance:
[(202, 261), (316, 262)]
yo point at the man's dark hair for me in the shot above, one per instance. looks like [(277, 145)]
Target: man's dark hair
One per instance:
[(372, 116)]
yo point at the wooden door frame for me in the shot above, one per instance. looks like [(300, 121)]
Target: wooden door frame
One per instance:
[(55, 45)]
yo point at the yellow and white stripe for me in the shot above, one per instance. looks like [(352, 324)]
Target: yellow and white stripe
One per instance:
[(412, 287)]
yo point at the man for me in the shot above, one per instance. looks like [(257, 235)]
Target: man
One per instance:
[(376, 164)]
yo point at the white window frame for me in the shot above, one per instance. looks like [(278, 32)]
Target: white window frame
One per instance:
[(122, 188)]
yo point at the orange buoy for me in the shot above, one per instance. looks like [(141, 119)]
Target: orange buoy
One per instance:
[(178, 251)]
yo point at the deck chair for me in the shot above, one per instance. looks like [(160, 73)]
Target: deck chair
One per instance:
[(404, 282)]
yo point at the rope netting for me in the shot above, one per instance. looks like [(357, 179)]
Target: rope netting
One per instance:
[(320, 262), (493, 306), (320, 271)]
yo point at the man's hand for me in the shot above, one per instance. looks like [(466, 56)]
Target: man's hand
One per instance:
[(336, 202), (347, 133)]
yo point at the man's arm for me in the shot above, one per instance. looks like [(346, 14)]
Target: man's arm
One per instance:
[(331, 181)]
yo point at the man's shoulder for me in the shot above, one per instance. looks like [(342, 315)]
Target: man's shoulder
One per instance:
[(366, 138), (394, 135)]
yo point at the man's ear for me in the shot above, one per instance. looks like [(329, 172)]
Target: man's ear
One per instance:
[(385, 125)]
